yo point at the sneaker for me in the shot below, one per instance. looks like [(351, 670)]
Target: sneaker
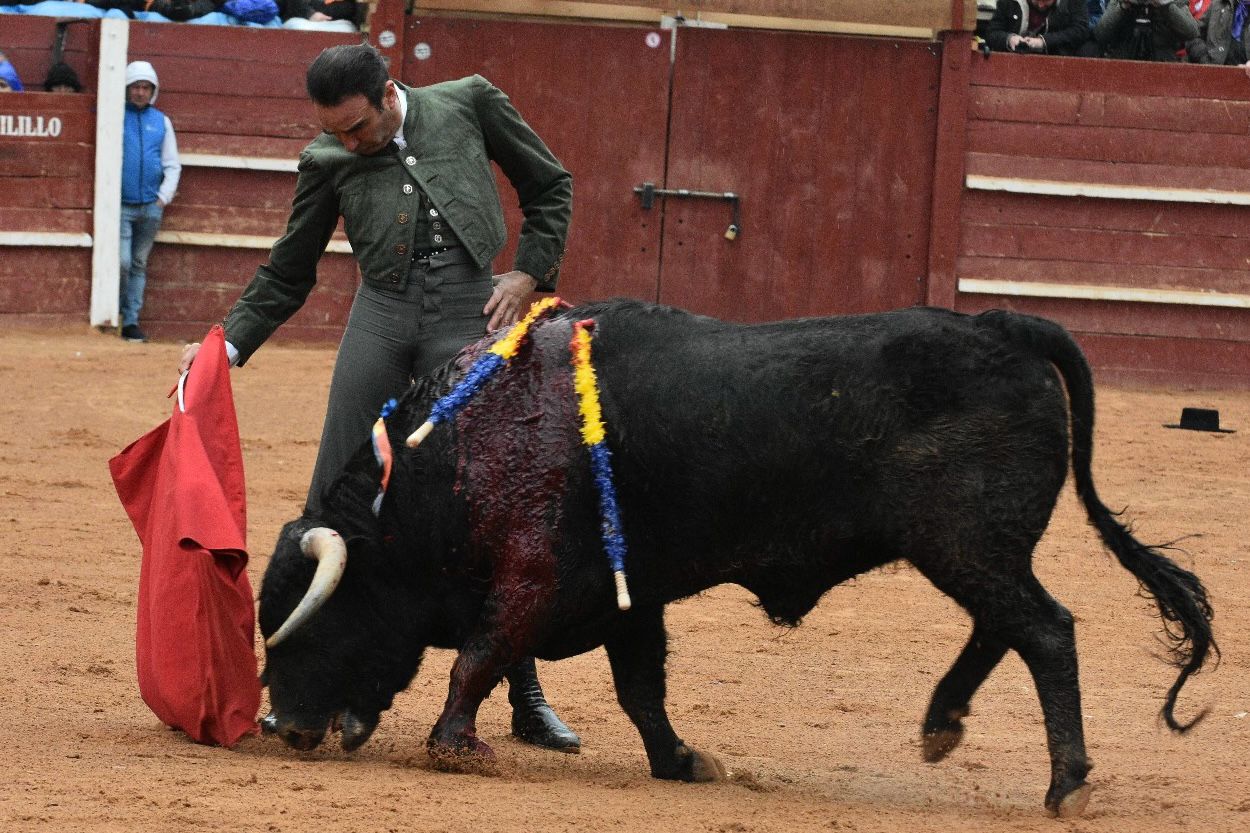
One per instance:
[(131, 332)]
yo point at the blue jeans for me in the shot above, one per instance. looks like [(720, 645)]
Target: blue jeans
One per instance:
[(139, 226)]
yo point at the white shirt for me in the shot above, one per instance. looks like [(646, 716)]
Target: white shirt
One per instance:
[(403, 116)]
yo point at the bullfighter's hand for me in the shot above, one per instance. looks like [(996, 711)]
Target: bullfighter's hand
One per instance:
[(508, 300), (188, 356)]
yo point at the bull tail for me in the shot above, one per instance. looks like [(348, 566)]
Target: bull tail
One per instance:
[(1178, 593)]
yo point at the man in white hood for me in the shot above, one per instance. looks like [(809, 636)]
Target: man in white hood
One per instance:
[(150, 172)]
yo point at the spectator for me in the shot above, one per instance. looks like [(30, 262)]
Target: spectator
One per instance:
[(175, 10), (127, 7), (8, 75), (1225, 34), (181, 10), (251, 11), (984, 11), (62, 79), (298, 12), (1053, 27), (1146, 30), (150, 172)]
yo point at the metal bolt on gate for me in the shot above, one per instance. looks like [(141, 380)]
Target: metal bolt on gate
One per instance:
[(647, 192)]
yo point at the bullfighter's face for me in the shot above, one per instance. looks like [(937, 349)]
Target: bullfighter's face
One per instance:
[(360, 127)]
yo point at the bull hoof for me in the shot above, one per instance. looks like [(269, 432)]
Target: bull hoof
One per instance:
[(937, 745), (467, 755), (691, 765), (705, 768), (1073, 804), (356, 730), (942, 732)]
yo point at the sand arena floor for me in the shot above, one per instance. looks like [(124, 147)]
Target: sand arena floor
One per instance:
[(818, 726)]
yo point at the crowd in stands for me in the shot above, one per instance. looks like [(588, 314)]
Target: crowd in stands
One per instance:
[(61, 78), (1198, 31), (325, 15)]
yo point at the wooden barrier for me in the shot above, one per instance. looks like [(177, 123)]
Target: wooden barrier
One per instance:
[(237, 101), (1107, 195), (1115, 207), (47, 156), (29, 42), (924, 19)]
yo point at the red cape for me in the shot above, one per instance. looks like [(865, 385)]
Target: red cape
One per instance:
[(182, 486)]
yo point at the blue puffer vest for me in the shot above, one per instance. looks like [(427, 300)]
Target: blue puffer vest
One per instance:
[(141, 154)]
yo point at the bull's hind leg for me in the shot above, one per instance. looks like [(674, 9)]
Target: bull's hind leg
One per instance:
[(1016, 611), (637, 651), (943, 724)]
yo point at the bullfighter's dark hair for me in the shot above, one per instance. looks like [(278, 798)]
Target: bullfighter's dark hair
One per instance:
[(347, 70)]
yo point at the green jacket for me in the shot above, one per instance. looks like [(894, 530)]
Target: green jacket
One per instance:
[(454, 130)]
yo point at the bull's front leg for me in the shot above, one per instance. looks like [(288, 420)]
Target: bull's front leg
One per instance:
[(480, 665), (637, 651), (524, 588)]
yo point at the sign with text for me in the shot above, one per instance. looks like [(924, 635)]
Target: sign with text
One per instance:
[(30, 126)]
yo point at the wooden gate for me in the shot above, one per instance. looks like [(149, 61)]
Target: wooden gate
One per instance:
[(828, 141), (825, 141), (598, 97)]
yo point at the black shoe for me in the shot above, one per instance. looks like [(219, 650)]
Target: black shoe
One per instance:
[(533, 720), (542, 727), (131, 332)]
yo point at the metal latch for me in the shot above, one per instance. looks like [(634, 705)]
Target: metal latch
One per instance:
[(681, 21), (647, 192)]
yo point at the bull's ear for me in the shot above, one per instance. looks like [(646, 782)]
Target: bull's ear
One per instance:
[(291, 535), (348, 502)]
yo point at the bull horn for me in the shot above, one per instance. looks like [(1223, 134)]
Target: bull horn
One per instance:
[(326, 547)]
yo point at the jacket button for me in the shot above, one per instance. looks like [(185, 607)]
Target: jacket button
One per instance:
[(438, 238), (411, 160), (394, 277), (401, 249), (407, 188), (402, 218)]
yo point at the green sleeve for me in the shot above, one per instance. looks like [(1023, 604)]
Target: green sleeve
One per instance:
[(544, 187), (281, 286)]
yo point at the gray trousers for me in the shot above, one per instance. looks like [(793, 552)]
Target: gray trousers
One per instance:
[(392, 338)]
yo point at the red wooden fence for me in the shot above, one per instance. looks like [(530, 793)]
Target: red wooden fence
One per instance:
[(235, 95), (47, 174), (1112, 196), (872, 173)]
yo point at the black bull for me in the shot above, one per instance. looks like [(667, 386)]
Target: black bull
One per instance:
[(783, 457)]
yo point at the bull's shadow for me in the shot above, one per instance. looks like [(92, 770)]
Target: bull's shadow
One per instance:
[(783, 457)]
